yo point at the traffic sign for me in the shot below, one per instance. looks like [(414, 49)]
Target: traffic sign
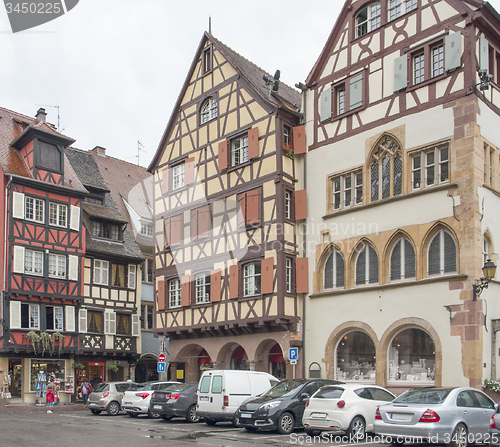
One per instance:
[(161, 358), (293, 362), (161, 367), (293, 353)]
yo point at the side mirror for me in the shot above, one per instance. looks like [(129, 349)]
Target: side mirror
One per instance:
[(304, 396)]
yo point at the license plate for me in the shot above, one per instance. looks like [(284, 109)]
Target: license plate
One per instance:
[(157, 407), (92, 405), (318, 415), (245, 415), (402, 417)]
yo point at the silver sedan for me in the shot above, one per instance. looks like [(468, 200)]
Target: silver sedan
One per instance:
[(455, 416)]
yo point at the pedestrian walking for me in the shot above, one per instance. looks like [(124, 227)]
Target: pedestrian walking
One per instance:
[(51, 395), (86, 390)]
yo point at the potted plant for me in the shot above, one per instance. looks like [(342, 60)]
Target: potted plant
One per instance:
[(288, 150), (112, 367), (57, 337), (46, 342), (77, 365), (34, 338)]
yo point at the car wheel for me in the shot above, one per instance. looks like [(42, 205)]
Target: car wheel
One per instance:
[(95, 412), (356, 430), (286, 424), (132, 415), (311, 432), (235, 422), (113, 408), (210, 421), (153, 414), (459, 436), (191, 415), (251, 429), (166, 418)]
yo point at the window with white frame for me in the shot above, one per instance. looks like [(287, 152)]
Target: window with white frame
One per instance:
[(368, 19), (208, 110), (54, 318), (340, 99), (34, 209), (57, 265), (386, 170), (288, 204), (203, 288), (442, 254), (239, 150), (147, 317), (147, 271), (101, 272), (132, 274), (174, 293), (33, 262), (179, 176), (437, 55), (287, 135), (397, 8), (430, 167), (57, 214), (30, 316), (251, 279), (366, 266), (418, 68), (288, 274), (347, 190), (334, 271), (147, 229), (402, 260)]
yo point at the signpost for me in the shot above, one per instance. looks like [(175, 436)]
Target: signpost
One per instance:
[(161, 363), (293, 356)]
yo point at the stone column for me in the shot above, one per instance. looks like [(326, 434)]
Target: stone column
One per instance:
[(251, 365), (173, 371)]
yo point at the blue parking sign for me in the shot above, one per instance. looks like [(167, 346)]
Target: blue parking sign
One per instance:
[(293, 353), (161, 367)]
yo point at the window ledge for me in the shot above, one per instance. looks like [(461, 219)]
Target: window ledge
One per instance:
[(392, 285), (493, 190), (419, 192), (412, 87)]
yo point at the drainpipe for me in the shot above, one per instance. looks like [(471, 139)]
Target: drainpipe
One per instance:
[(6, 256)]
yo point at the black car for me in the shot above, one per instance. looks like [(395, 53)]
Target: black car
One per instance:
[(281, 407), (178, 400)]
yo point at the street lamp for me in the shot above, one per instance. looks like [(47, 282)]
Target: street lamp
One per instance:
[(489, 269)]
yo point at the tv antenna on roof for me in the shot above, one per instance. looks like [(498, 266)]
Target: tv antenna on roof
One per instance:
[(272, 83), (139, 149), (57, 107)]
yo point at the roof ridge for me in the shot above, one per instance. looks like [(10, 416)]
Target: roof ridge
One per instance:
[(118, 159)]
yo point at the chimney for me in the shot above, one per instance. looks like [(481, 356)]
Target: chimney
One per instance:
[(41, 115), (100, 150)]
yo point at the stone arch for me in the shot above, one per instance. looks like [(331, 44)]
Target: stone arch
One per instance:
[(226, 352), (424, 245), (189, 356), (146, 367), (385, 263), (398, 326), (263, 352), (320, 267), (353, 256)]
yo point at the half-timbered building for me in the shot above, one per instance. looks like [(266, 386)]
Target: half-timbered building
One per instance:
[(228, 270), (42, 256), (109, 318), (403, 187)]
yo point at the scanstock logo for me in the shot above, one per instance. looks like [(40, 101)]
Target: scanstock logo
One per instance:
[(24, 14)]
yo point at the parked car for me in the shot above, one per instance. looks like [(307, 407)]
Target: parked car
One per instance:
[(455, 416), (177, 400), (348, 407), (281, 408), (221, 392), (494, 434), (108, 396), (136, 398)]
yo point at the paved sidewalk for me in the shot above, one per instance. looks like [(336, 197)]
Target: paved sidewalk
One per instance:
[(39, 408)]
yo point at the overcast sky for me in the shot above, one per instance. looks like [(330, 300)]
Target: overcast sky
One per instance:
[(115, 67)]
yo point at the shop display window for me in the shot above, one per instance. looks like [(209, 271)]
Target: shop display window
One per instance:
[(356, 358), (50, 368), (412, 357)]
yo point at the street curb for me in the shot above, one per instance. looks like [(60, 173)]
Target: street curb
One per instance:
[(39, 408)]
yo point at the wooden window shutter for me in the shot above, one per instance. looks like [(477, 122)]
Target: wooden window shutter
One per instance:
[(73, 268), (74, 222), (242, 213), (223, 154), (234, 281), (109, 322), (325, 104), (299, 140), (70, 318), (302, 275), (186, 290), (167, 232), (135, 325), (253, 143), (165, 179), (400, 73), (15, 314), (356, 92), (189, 171), (82, 321), (194, 224), (484, 54), (18, 264), (252, 216), (161, 295), (17, 205), (300, 204), (452, 51), (204, 221), (215, 285), (176, 230), (267, 275)]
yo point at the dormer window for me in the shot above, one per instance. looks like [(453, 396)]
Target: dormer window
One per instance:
[(208, 110), (50, 157), (106, 230), (368, 19)]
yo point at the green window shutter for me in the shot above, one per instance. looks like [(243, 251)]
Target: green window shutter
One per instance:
[(400, 73), (325, 107), (356, 92), (452, 51)]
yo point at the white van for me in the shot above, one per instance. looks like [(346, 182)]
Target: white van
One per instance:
[(221, 392)]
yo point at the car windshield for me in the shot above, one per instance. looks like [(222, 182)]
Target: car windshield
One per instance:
[(423, 396), (139, 387), (283, 388), (329, 393), (101, 387)]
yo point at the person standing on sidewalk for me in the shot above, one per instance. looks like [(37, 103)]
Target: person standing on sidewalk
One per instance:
[(51, 395), (85, 392)]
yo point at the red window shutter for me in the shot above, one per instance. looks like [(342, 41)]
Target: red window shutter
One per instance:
[(194, 224), (204, 221), (299, 140), (253, 207), (242, 213), (167, 231), (301, 204), (161, 295), (189, 171), (302, 275), (186, 291), (234, 285), (223, 154), (215, 285), (253, 143), (175, 230), (165, 178), (267, 275)]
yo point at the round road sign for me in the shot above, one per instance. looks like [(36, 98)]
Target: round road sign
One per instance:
[(161, 358)]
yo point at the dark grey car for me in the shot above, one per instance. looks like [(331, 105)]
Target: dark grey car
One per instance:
[(178, 400)]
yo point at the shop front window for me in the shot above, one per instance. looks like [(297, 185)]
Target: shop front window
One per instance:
[(42, 371), (412, 357), (355, 358)]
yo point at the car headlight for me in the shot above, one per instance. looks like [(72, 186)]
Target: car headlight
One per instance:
[(269, 405)]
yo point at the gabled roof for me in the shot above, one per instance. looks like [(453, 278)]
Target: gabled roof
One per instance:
[(86, 169), (286, 98)]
